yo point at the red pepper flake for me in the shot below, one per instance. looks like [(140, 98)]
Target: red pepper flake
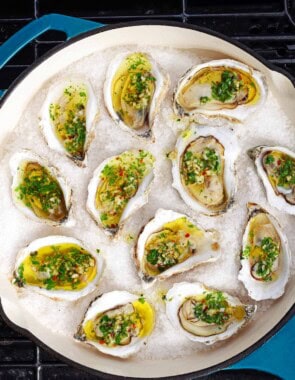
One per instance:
[(121, 172), (101, 341), (187, 235), (279, 162), (54, 278)]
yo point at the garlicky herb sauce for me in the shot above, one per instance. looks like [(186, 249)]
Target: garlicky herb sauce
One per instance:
[(63, 266), (68, 116), (41, 192), (119, 182)]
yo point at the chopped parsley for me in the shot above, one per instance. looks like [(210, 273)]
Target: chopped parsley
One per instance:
[(270, 252), (246, 252), (198, 166), (213, 308), (227, 88), (269, 159), (141, 299), (118, 329), (204, 99)]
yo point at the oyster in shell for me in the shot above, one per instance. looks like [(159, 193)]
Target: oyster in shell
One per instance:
[(134, 89), (205, 315), (223, 88), (58, 267), (38, 189), (172, 243), (266, 256), (120, 186), (68, 117), (203, 168), (118, 323), (276, 168)]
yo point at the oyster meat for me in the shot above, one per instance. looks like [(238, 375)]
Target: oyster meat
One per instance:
[(134, 89), (117, 323), (68, 117), (120, 186), (38, 190), (276, 168), (58, 267), (266, 256), (205, 315), (203, 168), (172, 243), (222, 88)]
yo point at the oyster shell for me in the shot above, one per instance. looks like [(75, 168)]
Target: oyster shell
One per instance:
[(223, 88), (120, 186), (276, 168), (203, 168), (38, 189), (68, 117), (205, 315), (172, 243), (117, 323), (58, 267), (266, 256), (134, 89)]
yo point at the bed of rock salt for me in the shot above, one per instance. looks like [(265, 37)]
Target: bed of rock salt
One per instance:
[(269, 126)]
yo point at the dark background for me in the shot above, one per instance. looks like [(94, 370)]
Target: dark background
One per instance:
[(267, 26)]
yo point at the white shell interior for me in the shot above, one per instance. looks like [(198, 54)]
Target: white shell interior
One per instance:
[(154, 35)]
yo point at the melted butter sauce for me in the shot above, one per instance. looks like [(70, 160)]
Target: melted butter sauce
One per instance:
[(33, 278)]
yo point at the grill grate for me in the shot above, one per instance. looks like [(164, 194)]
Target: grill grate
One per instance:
[(265, 26)]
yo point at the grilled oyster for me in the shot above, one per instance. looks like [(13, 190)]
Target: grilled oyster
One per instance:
[(205, 315), (117, 323), (222, 88), (203, 168), (276, 168), (172, 243), (120, 186), (265, 256), (38, 190), (58, 267), (134, 89), (68, 117)]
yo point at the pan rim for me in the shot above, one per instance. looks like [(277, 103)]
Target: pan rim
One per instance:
[(285, 318)]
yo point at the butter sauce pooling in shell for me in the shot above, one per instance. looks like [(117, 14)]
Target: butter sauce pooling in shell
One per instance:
[(38, 190), (134, 88), (117, 323), (68, 116), (222, 88), (58, 267), (120, 186), (205, 315)]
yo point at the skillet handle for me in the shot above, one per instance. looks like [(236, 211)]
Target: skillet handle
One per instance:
[(72, 26)]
